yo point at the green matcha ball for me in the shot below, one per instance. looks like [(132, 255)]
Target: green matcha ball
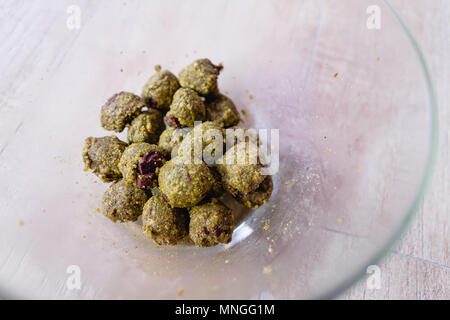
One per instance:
[(222, 110), (162, 223), (160, 88), (184, 184), (146, 127), (102, 156), (201, 76), (123, 201), (187, 106), (120, 110), (210, 224)]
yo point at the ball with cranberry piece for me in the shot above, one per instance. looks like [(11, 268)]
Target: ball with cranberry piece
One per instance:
[(120, 110), (187, 106), (140, 163), (210, 224), (160, 88)]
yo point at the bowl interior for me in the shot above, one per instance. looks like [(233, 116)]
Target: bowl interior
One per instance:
[(351, 106)]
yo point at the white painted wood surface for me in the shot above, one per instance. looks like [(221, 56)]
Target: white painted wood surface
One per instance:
[(418, 268)]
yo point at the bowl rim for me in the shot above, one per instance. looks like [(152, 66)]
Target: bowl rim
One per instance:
[(337, 290)]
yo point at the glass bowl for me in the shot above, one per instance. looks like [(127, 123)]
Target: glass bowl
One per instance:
[(357, 127)]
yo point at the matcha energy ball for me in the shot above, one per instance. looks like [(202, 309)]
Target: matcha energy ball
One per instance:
[(201, 76), (102, 156), (160, 88), (240, 168), (162, 223), (171, 138), (174, 176), (204, 142), (146, 127), (123, 201), (211, 223), (187, 106), (237, 134), (222, 110), (119, 110), (217, 188), (140, 164), (184, 185), (257, 198)]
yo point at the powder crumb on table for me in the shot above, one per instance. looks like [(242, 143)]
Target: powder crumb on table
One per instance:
[(21, 223), (267, 226), (267, 270), (270, 250), (335, 75), (180, 291)]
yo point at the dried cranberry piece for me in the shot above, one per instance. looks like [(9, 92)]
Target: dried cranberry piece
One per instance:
[(172, 121), (205, 231), (188, 175), (165, 197), (145, 181), (150, 162), (218, 231), (152, 102)]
